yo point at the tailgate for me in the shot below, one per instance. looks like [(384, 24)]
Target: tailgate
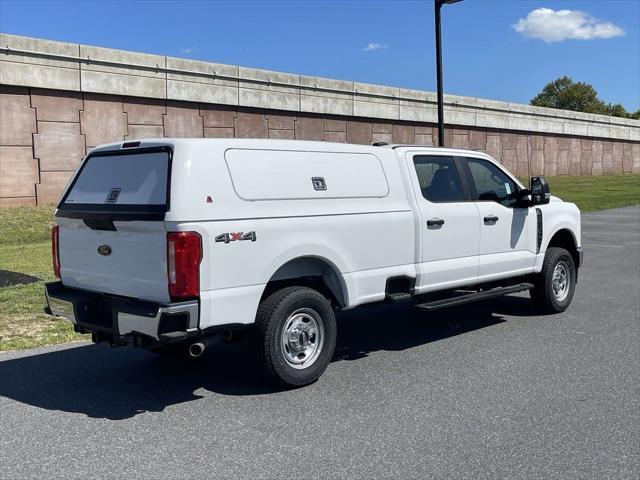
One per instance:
[(130, 261), (112, 235)]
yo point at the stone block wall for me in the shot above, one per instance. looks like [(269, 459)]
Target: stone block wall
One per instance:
[(45, 133), (58, 100)]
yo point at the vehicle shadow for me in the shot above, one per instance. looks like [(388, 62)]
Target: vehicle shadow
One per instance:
[(519, 305), (117, 384), (399, 327)]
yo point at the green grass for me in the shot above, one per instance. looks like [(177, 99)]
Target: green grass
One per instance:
[(21, 225), (597, 193), (24, 247)]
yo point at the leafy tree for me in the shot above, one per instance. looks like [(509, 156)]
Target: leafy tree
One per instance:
[(617, 110), (566, 94)]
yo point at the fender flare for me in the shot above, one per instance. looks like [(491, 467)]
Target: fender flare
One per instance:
[(558, 227), (319, 252)]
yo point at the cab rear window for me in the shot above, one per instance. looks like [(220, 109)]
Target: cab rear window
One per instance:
[(121, 181)]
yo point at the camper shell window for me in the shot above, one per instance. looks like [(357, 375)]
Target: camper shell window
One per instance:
[(121, 184)]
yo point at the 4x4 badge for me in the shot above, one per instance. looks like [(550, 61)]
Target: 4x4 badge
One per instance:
[(236, 236)]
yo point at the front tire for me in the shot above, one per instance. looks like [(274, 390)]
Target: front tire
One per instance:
[(295, 336), (556, 283)]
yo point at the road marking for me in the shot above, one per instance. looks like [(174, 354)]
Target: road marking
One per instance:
[(605, 246), (610, 228), (633, 234), (593, 221), (636, 217)]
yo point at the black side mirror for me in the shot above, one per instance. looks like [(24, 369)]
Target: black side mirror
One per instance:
[(539, 191)]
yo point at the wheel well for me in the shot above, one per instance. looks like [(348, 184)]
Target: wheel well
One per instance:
[(313, 272), (564, 239)]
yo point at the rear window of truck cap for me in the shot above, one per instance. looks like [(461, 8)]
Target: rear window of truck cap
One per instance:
[(132, 181)]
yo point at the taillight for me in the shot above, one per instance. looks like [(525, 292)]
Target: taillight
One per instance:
[(55, 250), (184, 252)]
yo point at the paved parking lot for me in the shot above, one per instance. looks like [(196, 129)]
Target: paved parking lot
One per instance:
[(484, 391)]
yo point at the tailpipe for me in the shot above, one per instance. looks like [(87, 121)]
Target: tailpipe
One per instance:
[(196, 349)]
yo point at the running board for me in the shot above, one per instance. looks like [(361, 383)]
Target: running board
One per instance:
[(398, 297), (474, 297)]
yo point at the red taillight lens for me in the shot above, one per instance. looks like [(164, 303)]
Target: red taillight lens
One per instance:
[(184, 252), (55, 250)]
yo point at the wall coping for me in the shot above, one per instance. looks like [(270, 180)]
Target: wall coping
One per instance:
[(32, 62)]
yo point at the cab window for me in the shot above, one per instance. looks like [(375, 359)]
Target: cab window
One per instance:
[(490, 184), (438, 178)]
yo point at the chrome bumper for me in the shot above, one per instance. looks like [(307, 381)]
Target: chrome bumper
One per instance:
[(117, 318)]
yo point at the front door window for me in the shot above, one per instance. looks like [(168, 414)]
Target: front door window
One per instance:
[(492, 184)]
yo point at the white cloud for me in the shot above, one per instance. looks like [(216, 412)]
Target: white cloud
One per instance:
[(374, 46), (558, 25), (189, 50)]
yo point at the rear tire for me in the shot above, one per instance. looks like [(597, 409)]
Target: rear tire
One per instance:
[(556, 283), (294, 336)]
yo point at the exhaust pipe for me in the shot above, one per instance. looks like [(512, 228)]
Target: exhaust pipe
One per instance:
[(196, 349)]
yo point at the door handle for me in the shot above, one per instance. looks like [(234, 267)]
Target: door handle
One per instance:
[(490, 220), (435, 222)]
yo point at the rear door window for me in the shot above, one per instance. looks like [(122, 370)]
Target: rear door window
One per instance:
[(439, 179), (121, 181)]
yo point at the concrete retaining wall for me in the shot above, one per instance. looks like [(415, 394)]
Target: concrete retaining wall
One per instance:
[(57, 100)]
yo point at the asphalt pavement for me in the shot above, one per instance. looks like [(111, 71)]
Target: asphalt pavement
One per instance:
[(485, 391)]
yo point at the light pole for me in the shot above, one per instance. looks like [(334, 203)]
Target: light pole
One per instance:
[(438, 6)]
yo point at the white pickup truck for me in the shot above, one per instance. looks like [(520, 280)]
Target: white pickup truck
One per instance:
[(176, 244)]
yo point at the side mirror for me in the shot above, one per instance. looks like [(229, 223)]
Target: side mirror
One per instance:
[(539, 191)]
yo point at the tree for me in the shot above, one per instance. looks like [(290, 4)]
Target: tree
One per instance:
[(617, 110), (566, 94)]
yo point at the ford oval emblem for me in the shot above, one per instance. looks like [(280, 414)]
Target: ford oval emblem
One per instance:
[(104, 250)]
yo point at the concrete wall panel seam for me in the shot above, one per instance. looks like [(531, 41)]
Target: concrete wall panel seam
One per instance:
[(301, 88)]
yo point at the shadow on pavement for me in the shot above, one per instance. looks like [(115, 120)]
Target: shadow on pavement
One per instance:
[(120, 383)]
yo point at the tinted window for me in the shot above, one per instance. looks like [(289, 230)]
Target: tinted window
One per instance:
[(439, 179), (131, 179), (491, 183)]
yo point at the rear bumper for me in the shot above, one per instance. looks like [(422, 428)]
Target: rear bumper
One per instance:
[(120, 320)]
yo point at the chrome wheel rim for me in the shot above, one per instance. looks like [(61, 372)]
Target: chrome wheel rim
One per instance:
[(560, 281), (302, 338)]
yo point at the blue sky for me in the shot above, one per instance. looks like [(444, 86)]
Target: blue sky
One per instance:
[(484, 55)]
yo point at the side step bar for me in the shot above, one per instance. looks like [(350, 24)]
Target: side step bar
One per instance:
[(398, 297), (473, 297)]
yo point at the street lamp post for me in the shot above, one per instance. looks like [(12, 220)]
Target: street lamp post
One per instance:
[(438, 7)]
